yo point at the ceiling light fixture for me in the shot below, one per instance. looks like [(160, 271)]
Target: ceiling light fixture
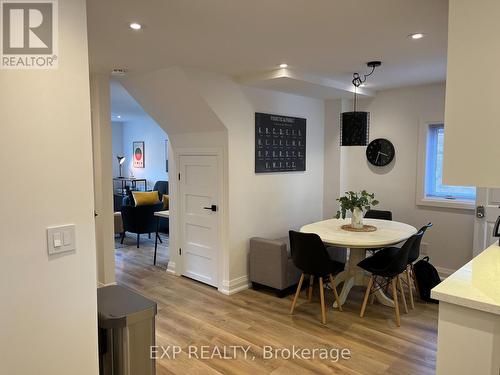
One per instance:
[(135, 26), (283, 65), (416, 36), (118, 116), (354, 126)]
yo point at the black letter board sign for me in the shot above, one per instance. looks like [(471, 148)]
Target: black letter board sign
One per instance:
[(280, 143)]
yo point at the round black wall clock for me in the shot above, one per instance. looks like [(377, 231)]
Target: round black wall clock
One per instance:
[(380, 152)]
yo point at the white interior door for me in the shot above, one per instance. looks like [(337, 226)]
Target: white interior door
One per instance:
[(198, 197), (487, 212)]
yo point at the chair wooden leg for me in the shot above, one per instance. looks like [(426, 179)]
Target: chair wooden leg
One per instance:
[(322, 298), (367, 294), (310, 292), (334, 288), (414, 280), (297, 293), (410, 288), (403, 297), (138, 237), (395, 297)]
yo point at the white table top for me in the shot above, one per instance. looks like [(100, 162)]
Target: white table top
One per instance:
[(387, 233), (476, 285), (162, 213)]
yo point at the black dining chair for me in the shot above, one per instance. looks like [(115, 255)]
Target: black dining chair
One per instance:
[(381, 215), (378, 214), (388, 267), (310, 256), (413, 256)]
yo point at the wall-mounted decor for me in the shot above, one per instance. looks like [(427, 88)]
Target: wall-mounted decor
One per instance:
[(354, 129), (380, 152), (138, 152), (280, 143)]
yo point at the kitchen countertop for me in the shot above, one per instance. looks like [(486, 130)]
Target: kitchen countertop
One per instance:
[(476, 285)]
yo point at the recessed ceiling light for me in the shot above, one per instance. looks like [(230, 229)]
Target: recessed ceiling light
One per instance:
[(416, 36), (283, 65), (135, 26), (118, 116)]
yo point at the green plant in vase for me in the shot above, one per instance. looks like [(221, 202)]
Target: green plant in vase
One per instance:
[(356, 203)]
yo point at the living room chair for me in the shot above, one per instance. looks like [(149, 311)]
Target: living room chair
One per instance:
[(309, 254), (140, 219)]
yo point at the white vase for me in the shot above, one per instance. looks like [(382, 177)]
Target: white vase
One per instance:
[(357, 218)]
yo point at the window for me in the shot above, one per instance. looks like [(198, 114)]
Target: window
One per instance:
[(434, 187)]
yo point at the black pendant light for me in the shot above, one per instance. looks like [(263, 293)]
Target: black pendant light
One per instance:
[(355, 125)]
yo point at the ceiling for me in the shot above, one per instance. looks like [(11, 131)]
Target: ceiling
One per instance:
[(326, 38), (124, 108)]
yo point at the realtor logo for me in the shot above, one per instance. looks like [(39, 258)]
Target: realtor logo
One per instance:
[(28, 34)]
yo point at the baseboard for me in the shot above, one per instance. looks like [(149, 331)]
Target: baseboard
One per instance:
[(233, 286), (171, 267), (444, 272), (100, 285)]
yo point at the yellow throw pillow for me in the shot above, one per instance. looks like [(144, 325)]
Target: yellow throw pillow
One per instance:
[(145, 198), (165, 201)]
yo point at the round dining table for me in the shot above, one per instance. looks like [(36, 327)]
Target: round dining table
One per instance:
[(387, 233)]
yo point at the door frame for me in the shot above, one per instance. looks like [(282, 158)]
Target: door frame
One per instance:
[(221, 204)]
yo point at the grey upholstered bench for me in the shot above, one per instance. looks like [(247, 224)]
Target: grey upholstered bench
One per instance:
[(271, 264)]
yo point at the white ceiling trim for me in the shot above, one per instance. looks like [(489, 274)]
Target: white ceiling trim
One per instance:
[(301, 83)]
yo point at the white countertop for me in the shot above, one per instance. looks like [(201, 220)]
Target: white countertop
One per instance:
[(387, 233), (476, 285)]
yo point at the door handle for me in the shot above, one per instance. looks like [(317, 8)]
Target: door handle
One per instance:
[(480, 212), (213, 208)]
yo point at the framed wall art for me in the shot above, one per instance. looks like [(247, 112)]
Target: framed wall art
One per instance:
[(138, 152)]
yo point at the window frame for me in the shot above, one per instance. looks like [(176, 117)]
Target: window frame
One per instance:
[(421, 199)]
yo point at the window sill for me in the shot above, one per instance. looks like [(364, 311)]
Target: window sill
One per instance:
[(448, 203)]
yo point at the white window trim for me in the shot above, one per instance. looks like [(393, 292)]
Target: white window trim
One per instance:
[(420, 198)]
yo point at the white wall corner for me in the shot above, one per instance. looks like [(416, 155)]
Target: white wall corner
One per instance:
[(229, 287)]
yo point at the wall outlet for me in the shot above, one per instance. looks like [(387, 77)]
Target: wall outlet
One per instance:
[(61, 239)]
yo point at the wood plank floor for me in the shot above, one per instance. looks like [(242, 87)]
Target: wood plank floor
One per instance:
[(193, 314)]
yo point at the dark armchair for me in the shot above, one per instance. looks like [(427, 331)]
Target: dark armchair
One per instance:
[(162, 188), (140, 219)]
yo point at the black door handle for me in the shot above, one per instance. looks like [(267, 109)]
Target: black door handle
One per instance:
[(213, 208)]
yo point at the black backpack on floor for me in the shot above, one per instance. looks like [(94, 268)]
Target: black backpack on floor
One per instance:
[(427, 278)]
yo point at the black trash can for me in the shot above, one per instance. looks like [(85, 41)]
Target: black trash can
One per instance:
[(126, 332)]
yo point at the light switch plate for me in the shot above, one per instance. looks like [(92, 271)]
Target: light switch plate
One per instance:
[(61, 239)]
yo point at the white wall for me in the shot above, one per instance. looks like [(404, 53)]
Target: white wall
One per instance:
[(117, 146), (269, 205), (103, 185), (396, 115), (263, 204), (48, 315), (154, 138)]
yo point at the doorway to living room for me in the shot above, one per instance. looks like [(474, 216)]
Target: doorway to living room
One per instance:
[(140, 184)]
